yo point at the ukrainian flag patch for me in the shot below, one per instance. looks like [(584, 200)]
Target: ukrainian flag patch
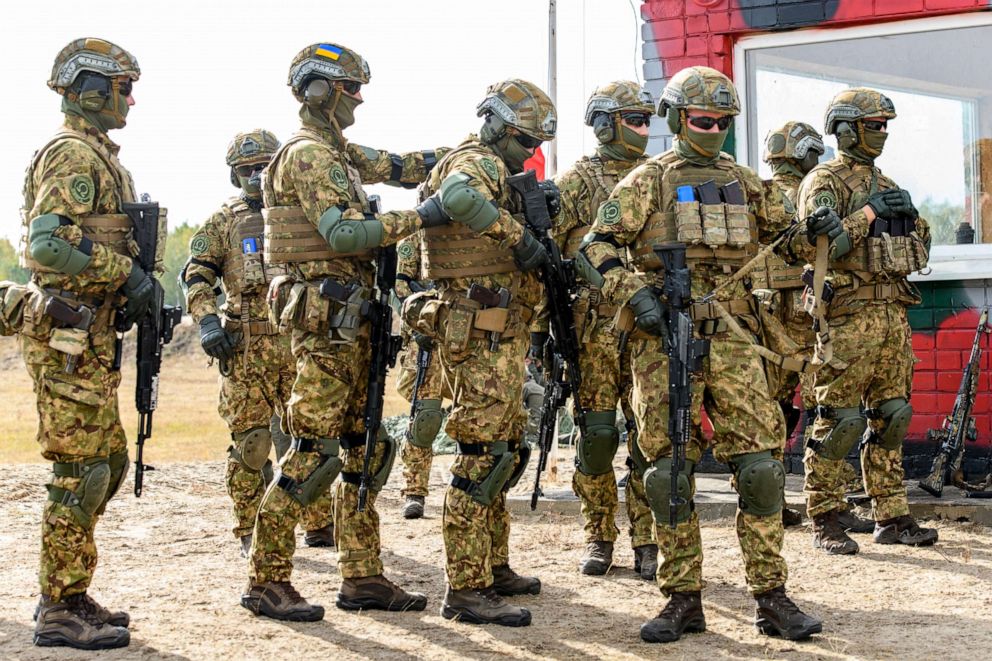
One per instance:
[(330, 51)]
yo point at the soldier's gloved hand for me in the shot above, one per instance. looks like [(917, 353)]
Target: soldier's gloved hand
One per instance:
[(823, 221), (893, 203), (139, 290), (431, 212), (648, 314), (529, 254), (216, 342), (552, 196), (424, 342)]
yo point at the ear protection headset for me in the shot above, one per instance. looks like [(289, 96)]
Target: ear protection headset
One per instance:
[(604, 127), (493, 130), (317, 91), (93, 91)]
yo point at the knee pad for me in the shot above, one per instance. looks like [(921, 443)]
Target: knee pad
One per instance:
[(378, 480), (426, 423), (319, 481), (252, 447), (88, 498), (848, 428), (598, 445), (118, 471), (488, 488), (658, 490), (760, 483), (897, 414), (524, 453)]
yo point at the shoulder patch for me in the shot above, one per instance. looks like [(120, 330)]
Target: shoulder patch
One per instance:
[(405, 250), (198, 245), (338, 177), (81, 188), (825, 198), (489, 167), (609, 212)]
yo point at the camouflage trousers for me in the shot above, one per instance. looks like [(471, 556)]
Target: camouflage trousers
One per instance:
[(253, 395), (486, 408), (605, 381), (733, 390), (78, 420), (417, 460), (327, 401), (876, 344)]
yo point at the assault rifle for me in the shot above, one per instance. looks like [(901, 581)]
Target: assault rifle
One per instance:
[(685, 357), (384, 346), (958, 427), (154, 328)]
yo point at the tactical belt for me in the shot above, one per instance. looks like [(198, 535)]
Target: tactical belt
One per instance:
[(482, 449), (72, 469), (878, 291), (707, 317), (503, 321), (352, 441), (73, 297), (310, 444), (257, 327)]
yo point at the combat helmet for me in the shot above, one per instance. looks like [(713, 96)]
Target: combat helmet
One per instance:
[(248, 148), (329, 61), (618, 96), (700, 88), (522, 105), (857, 103), (91, 54), (793, 140)]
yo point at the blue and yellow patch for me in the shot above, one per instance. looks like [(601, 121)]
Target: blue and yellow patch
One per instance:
[(330, 51)]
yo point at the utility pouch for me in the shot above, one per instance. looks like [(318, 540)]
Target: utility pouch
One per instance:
[(688, 228), (345, 319), (458, 327), (70, 341), (422, 311), (738, 225), (13, 300), (278, 297), (714, 224), (253, 274)]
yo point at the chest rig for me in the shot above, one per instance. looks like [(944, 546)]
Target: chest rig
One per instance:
[(599, 182), (245, 271)]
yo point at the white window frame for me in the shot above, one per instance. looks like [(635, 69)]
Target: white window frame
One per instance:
[(951, 262)]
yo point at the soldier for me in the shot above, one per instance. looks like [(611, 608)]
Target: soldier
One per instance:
[(76, 245), (417, 453), (482, 346), (658, 204), (876, 239), (257, 368), (320, 225), (619, 113)]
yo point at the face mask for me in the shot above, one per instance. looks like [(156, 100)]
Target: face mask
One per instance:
[(512, 152), (252, 184), (344, 111), (873, 141), (700, 147), (113, 114), (628, 146)]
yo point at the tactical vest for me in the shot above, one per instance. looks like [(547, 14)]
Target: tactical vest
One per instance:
[(774, 273), (600, 184), (894, 253), (245, 270), (290, 237), (454, 250), (724, 235), (111, 230)]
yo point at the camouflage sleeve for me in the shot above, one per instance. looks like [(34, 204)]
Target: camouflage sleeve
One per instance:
[(378, 166), (489, 177), (570, 217), (67, 183), (618, 222), (207, 249), (407, 264), (779, 211)]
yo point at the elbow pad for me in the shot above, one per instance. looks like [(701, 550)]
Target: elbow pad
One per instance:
[(56, 253), (584, 268), (466, 205), (347, 236)]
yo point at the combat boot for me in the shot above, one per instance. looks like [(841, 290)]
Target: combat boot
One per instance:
[(830, 536), (483, 606), (597, 559), (379, 593), (413, 508), (683, 613), (245, 546), (791, 517), (88, 603), (71, 623), (280, 601), (509, 583), (851, 522), (903, 530), (321, 537), (777, 615), (646, 561)]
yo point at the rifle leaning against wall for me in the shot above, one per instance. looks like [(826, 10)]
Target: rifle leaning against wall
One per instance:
[(958, 427)]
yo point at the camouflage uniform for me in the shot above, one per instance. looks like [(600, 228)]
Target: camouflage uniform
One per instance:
[(872, 364), (227, 249), (316, 175), (605, 373)]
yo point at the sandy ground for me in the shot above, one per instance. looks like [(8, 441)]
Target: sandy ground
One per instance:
[(169, 559)]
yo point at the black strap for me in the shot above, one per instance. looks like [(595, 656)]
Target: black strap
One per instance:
[(600, 237), (463, 483), (287, 484), (609, 265), (351, 478), (396, 173), (195, 280), (403, 277), (430, 159), (85, 246), (474, 449), (351, 441), (810, 416), (210, 265)]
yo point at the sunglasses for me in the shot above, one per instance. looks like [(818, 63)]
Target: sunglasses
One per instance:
[(527, 141), (706, 123), (247, 170), (350, 86), (876, 125), (636, 120)]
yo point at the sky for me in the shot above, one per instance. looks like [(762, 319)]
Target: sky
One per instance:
[(213, 69)]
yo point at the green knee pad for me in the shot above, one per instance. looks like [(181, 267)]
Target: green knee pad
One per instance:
[(518, 471), (118, 471), (388, 459), (658, 489), (426, 423), (252, 447), (598, 445), (89, 496), (760, 483), (897, 414), (850, 425), (319, 481), (486, 490)]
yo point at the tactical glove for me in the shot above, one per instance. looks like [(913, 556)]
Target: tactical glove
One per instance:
[(529, 254), (552, 196), (139, 290), (431, 212), (823, 221), (216, 342), (648, 314), (892, 204)]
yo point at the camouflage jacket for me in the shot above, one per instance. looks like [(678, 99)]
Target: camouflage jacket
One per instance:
[(780, 199), (408, 264), (71, 178)]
